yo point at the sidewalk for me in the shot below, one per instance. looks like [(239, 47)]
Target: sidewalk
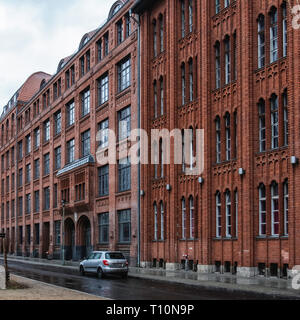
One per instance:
[(36, 290), (268, 287)]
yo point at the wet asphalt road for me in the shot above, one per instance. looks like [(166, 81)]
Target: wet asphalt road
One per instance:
[(120, 289)]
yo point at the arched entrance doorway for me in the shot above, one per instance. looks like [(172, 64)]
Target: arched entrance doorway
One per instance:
[(70, 246), (84, 237)]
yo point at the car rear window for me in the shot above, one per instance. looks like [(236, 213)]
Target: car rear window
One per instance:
[(114, 256)]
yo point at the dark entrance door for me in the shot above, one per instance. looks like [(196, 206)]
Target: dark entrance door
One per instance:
[(84, 237)]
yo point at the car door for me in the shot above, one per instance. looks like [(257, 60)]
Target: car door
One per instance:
[(88, 262), (95, 262)]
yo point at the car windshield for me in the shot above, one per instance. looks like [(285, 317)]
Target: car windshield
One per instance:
[(114, 256)]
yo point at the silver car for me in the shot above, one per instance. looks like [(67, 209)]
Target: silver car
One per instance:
[(103, 263)]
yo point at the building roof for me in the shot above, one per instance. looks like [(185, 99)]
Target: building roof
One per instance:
[(32, 85)]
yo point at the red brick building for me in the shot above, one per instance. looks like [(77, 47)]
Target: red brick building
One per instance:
[(230, 68), (227, 67), (48, 150)]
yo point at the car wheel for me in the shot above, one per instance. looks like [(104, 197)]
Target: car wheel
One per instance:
[(125, 275), (82, 271), (100, 273)]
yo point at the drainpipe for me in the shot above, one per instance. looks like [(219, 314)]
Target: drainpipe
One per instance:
[(137, 21)]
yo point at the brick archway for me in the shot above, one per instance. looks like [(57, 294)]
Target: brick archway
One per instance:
[(83, 236)]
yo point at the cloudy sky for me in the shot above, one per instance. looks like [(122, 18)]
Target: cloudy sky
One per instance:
[(36, 34)]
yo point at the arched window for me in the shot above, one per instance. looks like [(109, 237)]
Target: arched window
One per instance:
[(191, 15), (273, 35), (286, 207), (161, 96), (262, 211), (182, 18), (218, 6), (183, 84), (218, 65), (183, 218), (161, 32), (155, 158), (183, 150), (161, 152), (228, 214), (218, 140), (154, 38), (274, 121), (261, 41), (228, 136), (227, 60), (285, 118), (275, 209), (191, 147), (192, 218), (162, 221), (226, 3), (236, 199), (155, 222), (191, 80), (218, 215), (262, 125), (155, 98), (284, 30)]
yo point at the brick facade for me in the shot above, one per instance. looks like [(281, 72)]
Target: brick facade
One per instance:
[(235, 97), (200, 69)]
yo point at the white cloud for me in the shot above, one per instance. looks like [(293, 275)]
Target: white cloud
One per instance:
[(35, 35)]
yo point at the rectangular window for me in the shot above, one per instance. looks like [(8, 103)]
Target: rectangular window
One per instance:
[(86, 143), (20, 235), (28, 234), (46, 198), (120, 32), (182, 18), (37, 201), (28, 144), (103, 181), (55, 196), (28, 173), (47, 130), (36, 138), (124, 169), (284, 31), (103, 223), (57, 159), (218, 6), (262, 126), (20, 150), (20, 180), (46, 164), (128, 25), (36, 169), (70, 113), (285, 119), (124, 123), (228, 215), (102, 136), (68, 83), (82, 68), (88, 61), (261, 41), (85, 102), (20, 207), (286, 208), (274, 122), (57, 123), (124, 74), (99, 50), (103, 89), (57, 228), (71, 151), (124, 219), (106, 44), (28, 204)]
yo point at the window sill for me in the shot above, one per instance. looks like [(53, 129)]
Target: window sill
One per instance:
[(84, 117), (123, 92), (70, 127), (102, 197)]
